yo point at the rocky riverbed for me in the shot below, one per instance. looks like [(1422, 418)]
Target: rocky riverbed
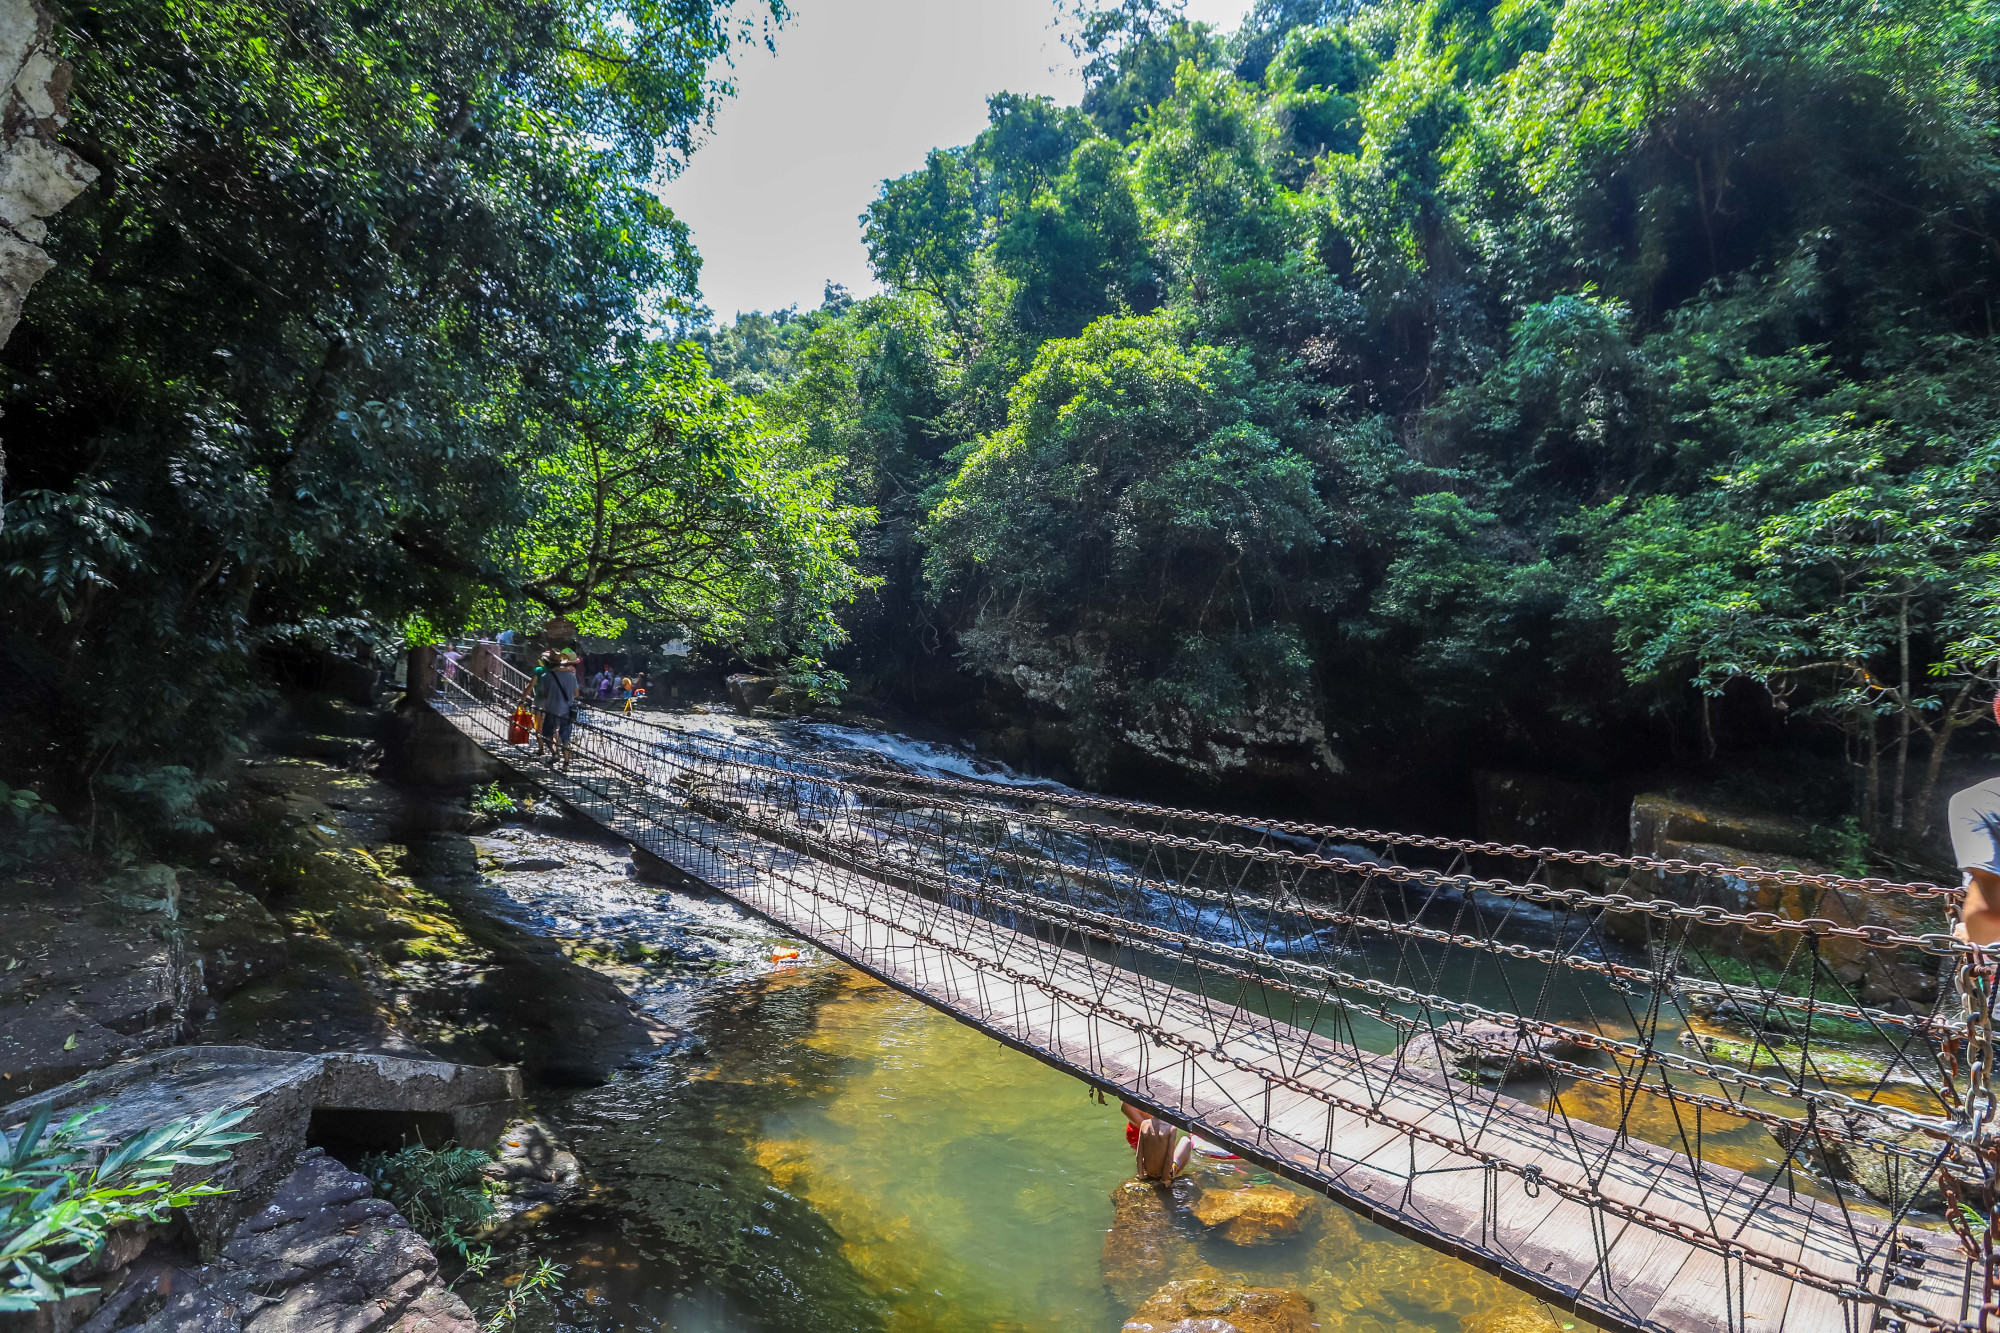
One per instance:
[(726, 1135)]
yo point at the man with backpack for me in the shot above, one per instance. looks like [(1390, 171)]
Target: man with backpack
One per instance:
[(555, 695)]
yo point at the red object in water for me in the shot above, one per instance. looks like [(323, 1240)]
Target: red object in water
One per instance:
[(1996, 708), (519, 727), (1131, 1133)]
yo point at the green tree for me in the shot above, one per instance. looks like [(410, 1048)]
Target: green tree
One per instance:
[(1135, 540), (314, 328), (673, 505)]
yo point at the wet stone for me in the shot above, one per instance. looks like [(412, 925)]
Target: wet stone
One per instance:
[(1144, 1246), (1512, 1319), (1899, 1182), (1487, 1051), (1253, 1214), (1210, 1305)]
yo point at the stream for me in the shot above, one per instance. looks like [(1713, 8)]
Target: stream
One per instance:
[(808, 1150)]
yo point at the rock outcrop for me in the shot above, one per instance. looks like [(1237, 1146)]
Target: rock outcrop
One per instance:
[(1671, 828), (321, 1244), (323, 1253), (37, 174)]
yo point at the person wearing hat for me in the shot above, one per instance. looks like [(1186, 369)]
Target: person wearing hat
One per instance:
[(555, 691), (1975, 844)]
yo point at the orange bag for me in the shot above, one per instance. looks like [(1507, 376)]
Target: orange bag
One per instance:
[(520, 727)]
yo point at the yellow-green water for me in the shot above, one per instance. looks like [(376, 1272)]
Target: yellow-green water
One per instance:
[(836, 1156)]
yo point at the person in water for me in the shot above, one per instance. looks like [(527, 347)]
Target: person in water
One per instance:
[(1162, 1149)]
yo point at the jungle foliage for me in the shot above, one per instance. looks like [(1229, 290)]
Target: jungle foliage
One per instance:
[(365, 319), (1557, 375)]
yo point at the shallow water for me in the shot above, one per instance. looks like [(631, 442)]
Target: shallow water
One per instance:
[(817, 1152), (837, 1156)]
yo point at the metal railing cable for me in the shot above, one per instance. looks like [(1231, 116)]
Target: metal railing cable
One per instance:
[(1053, 795), (1838, 1038)]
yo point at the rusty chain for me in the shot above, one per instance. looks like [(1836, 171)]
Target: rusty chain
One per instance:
[(1172, 945), (1328, 832)]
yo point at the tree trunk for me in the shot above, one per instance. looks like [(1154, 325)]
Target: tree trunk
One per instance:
[(1871, 783), (1920, 809), (1906, 702)]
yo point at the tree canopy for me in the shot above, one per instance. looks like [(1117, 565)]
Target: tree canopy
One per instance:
[(367, 318), (1393, 378)]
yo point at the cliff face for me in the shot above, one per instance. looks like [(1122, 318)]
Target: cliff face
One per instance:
[(37, 175)]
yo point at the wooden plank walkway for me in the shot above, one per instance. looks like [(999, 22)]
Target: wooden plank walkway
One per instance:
[(1206, 1061)]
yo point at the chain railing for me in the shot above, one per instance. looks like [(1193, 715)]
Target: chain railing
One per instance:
[(1831, 1026)]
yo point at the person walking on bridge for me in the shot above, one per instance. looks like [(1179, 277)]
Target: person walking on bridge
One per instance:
[(555, 693)]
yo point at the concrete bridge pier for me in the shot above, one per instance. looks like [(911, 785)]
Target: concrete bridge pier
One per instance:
[(422, 749)]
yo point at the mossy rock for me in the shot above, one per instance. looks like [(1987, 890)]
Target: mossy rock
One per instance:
[(1214, 1305)]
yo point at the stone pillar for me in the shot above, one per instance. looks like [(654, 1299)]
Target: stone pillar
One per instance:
[(421, 680)]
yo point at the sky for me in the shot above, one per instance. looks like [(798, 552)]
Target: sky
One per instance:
[(857, 92)]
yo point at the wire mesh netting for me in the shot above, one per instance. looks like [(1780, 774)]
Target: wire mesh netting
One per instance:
[(1671, 1094)]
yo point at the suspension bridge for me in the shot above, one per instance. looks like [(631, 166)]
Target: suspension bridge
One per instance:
[(1640, 1088)]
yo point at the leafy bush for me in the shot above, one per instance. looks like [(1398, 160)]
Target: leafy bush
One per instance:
[(490, 800), (56, 1207), (164, 799), (440, 1191), (30, 828)]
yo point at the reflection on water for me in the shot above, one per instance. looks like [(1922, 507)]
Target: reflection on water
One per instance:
[(840, 1157)]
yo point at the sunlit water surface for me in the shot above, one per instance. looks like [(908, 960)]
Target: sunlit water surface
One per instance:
[(832, 1155)]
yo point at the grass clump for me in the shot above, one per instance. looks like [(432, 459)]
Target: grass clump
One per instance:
[(491, 800)]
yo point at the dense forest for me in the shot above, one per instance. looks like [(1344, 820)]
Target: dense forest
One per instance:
[(1374, 392), (360, 335), (1604, 386)]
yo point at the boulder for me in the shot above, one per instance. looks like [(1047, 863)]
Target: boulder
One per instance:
[(1144, 1247), (532, 1175), (747, 692), (1894, 1181), (1339, 1239), (1486, 1050), (1210, 1305), (1254, 1214)]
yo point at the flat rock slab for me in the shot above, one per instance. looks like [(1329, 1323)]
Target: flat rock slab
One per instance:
[(285, 1088)]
